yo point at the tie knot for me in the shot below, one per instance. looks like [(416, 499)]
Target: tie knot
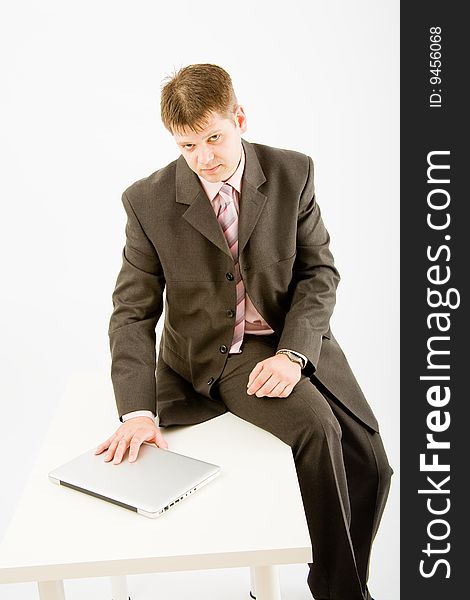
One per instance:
[(226, 189)]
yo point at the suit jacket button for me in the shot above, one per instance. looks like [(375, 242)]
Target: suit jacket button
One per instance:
[(230, 313), (229, 276), (211, 381), (223, 349)]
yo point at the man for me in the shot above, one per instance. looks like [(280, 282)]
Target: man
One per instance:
[(233, 231)]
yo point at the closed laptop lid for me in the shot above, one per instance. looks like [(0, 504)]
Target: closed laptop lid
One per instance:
[(155, 480)]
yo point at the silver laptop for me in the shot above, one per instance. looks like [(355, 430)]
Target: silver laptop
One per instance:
[(151, 485)]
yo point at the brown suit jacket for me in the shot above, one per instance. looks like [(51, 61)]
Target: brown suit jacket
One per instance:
[(175, 244)]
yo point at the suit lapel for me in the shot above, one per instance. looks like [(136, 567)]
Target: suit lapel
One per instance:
[(200, 213), (252, 201)]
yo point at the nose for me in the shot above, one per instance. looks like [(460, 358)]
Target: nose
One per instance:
[(206, 157)]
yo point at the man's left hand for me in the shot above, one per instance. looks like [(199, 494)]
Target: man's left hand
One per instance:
[(274, 377)]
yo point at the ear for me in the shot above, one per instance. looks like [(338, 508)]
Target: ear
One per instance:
[(240, 118)]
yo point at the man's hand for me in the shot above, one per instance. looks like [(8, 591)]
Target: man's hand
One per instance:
[(274, 377), (131, 434)]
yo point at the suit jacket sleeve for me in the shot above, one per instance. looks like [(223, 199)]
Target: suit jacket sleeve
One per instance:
[(138, 305), (314, 281)]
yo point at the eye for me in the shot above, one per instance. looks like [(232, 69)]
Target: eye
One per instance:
[(188, 146), (215, 137)]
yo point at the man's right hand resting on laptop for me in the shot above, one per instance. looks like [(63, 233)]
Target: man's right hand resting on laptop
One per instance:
[(131, 434)]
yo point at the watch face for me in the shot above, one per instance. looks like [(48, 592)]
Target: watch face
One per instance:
[(294, 358)]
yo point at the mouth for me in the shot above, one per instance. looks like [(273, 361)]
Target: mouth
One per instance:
[(213, 170)]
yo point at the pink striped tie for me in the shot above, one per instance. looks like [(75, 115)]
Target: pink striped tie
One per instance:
[(228, 219)]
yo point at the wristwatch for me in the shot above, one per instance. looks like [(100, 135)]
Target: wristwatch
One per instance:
[(293, 357)]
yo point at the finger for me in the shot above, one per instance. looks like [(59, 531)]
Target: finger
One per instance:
[(277, 390), (159, 440), (134, 447), (254, 373), (287, 391), (103, 446), (268, 385), (259, 381), (112, 448), (121, 449)]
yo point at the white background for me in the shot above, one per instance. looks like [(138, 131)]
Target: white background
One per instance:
[(80, 84)]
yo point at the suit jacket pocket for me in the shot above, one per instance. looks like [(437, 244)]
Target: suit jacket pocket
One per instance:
[(174, 356), (261, 265)]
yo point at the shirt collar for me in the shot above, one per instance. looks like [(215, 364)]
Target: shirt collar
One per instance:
[(235, 180)]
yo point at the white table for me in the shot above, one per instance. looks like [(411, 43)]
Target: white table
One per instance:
[(251, 515)]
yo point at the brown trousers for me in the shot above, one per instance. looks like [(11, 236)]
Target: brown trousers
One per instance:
[(342, 468)]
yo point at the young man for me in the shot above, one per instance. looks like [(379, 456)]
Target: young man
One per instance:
[(233, 231)]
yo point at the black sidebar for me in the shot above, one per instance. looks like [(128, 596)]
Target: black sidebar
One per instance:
[(435, 269)]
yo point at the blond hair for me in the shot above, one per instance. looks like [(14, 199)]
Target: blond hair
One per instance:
[(192, 93)]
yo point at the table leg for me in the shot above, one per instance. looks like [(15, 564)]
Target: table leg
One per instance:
[(252, 583), (267, 583), (51, 590), (119, 588)]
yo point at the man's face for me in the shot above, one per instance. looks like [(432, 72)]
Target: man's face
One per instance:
[(214, 152)]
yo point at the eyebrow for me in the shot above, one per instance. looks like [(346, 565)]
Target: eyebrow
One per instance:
[(183, 142)]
